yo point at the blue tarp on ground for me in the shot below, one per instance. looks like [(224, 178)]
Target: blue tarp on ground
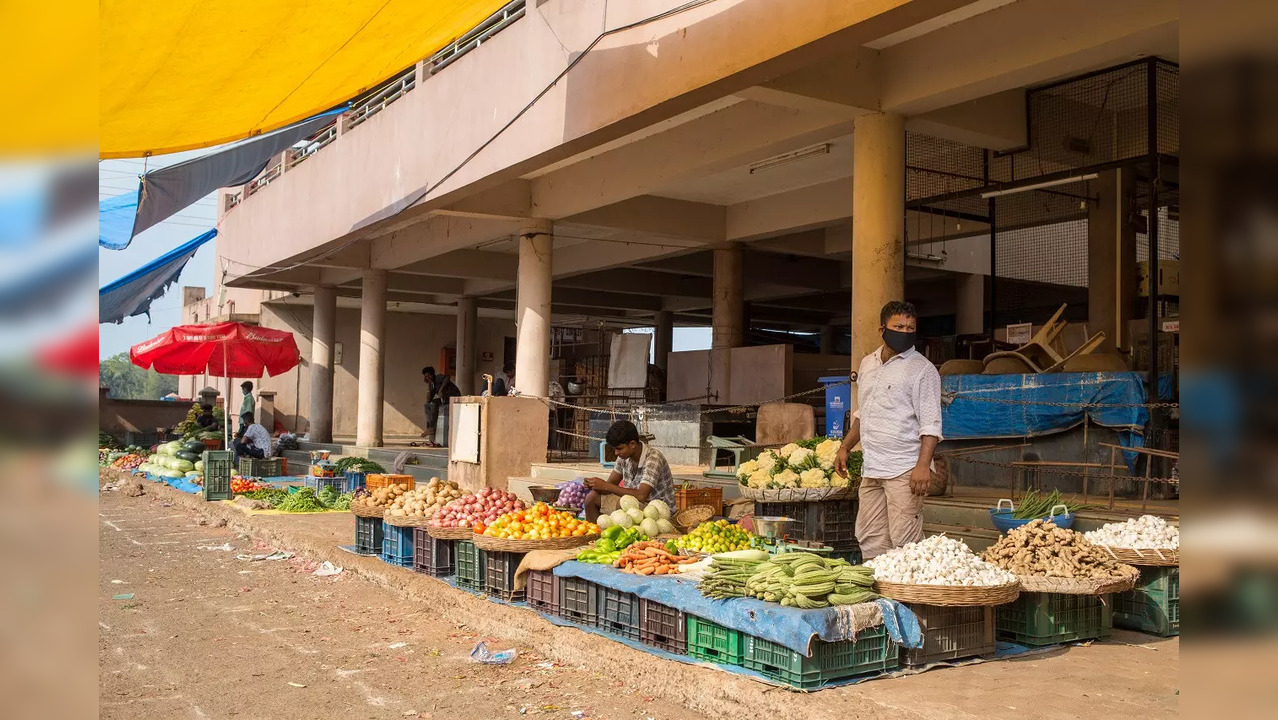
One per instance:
[(1018, 406), (791, 627), (178, 484), (132, 294)]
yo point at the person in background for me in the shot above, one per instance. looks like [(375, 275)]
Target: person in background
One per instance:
[(898, 423), (247, 404), (252, 440), (641, 472), (505, 380), (206, 420), (441, 390)]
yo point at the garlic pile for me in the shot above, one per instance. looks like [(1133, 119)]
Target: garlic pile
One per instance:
[(1150, 532), (938, 560)]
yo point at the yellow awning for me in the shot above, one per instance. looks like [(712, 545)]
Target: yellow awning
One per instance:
[(185, 74)]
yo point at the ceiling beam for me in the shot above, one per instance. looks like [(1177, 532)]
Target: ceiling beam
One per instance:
[(659, 216)]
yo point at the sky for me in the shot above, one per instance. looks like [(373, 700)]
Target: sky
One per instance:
[(116, 177)]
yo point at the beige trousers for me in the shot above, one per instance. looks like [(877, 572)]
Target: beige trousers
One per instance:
[(890, 515)]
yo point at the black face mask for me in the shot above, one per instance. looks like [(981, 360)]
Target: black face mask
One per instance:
[(897, 340)]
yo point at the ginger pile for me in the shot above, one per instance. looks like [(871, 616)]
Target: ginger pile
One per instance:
[(1040, 548)]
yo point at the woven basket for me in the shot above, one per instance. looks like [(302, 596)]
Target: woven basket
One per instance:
[(949, 595), (1080, 586), (405, 521), (494, 544), (689, 518), (449, 533), (368, 511), (790, 495), (1146, 557)]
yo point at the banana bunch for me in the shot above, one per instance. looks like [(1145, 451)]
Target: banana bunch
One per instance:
[(809, 581)]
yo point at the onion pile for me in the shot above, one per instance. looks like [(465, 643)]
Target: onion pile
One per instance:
[(484, 506), (572, 494)]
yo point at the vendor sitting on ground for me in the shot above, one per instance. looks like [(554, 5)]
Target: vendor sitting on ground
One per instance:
[(641, 472), (252, 440), (206, 420)]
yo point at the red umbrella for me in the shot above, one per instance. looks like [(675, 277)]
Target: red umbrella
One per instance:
[(228, 350)]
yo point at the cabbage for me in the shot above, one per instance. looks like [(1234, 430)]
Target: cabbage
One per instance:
[(663, 510), (619, 517), (636, 515), (649, 527), (664, 527), (629, 502), (604, 522)]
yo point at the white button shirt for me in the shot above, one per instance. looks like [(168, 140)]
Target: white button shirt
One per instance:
[(898, 402)]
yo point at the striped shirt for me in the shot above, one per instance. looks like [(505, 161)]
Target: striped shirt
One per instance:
[(898, 402), (651, 469), (259, 438)]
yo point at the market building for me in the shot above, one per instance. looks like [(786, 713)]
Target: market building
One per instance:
[(774, 176)]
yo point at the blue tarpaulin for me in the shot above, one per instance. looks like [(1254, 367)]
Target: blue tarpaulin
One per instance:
[(133, 293), (1020, 406), (791, 627), (115, 220)]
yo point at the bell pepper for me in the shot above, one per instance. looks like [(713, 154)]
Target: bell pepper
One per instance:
[(604, 544), (612, 532)]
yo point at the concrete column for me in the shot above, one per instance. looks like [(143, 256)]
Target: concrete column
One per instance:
[(266, 409), (372, 343), (878, 225), (727, 328), (324, 334), (829, 340), (663, 339), (532, 308), (1111, 258), (467, 318), (969, 301)]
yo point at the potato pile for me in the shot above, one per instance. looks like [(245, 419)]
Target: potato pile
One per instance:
[(1040, 548), (382, 497), (425, 500)]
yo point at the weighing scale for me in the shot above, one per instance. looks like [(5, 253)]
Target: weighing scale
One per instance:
[(772, 537)]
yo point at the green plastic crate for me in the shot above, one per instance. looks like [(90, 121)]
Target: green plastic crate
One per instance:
[(1038, 619), (470, 569), (950, 633), (713, 642), (1153, 606), (872, 652), (217, 474)]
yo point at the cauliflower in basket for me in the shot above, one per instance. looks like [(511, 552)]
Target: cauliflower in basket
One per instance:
[(826, 451), (767, 460), (802, 459), (838, 481), (786, 479), (746, 469), (759, 480), (786, 450), (813, 478)]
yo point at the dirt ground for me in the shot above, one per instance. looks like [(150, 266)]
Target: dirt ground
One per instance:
[(208, 635)]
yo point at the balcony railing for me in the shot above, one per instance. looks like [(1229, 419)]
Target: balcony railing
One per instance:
[(378, 101)]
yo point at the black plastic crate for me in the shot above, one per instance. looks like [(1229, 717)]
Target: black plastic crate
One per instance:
[(950, 633), (798, 512), (368, 535), (543, 591), (578, 601), (662, 626), (469, 566), (431, 556), (833, 523), (499, 575), (217, 474), (618, 612), (261, 467), (397, 545)]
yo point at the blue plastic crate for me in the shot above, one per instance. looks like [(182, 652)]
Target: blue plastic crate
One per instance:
[(397, 545), (319, 483), (354, 480)]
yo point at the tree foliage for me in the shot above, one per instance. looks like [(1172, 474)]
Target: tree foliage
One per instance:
[(130, 382)]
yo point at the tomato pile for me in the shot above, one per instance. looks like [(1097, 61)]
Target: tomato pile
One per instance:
[(537, 523), (240, 485)]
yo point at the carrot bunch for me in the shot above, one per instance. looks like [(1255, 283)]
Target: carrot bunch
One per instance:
[(650, 558)]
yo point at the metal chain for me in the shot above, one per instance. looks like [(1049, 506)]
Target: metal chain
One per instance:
[(599, 439)]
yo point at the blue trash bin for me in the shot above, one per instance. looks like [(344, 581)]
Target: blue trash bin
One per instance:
[(838, 399)]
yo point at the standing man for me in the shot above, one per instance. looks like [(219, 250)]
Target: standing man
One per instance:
[(898, 423), (440, 391), (247, 405), (641, 472)]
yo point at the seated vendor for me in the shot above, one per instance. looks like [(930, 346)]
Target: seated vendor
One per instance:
[(252, 440), (641, 472), (206, 420)]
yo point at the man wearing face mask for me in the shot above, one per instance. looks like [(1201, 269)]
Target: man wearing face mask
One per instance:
[(898, 423)]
